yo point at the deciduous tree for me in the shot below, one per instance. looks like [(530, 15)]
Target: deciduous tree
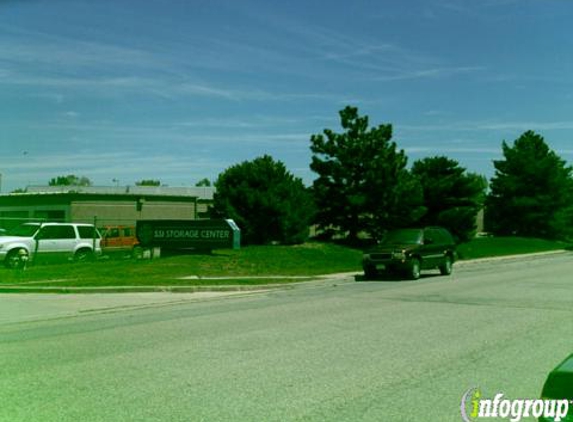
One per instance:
[(148, 182), (203, 183), (70, 180), (266, 201)]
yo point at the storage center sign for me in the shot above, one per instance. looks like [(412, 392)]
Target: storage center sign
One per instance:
[(189, 234)]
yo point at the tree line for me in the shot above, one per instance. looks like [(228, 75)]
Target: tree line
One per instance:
[(364, 188)]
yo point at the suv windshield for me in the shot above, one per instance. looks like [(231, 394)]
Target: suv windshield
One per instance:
[(24, 230), (406, 236)]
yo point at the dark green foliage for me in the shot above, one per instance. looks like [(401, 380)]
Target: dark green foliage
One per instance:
[(362, 183), (452, 196), (267, 202), (148, 182), (70, 180), (531, 192), (203, 183)]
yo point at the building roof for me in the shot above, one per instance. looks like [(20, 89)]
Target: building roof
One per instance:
[(204, 193)]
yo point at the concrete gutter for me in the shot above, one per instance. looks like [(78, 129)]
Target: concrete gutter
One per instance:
[(142, 289)]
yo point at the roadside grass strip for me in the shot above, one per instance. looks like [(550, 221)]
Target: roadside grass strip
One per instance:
[(490, 247), (252, 265)]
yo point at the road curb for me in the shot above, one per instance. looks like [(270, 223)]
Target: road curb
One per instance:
[(144, 289)]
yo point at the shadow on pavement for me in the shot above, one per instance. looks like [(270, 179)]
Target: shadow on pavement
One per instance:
[(389, 277)]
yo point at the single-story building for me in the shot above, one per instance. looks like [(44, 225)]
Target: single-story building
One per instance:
[(105, 205)]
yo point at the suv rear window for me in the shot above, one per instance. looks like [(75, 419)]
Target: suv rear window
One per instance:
[(88, 232)]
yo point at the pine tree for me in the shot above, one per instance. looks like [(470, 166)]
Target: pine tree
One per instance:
[(362, 183), (452, 196), (531, 192)]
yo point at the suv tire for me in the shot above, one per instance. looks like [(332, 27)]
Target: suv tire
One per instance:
[(13, 259), (370, 272), (83, 255), (446, 267), (414, 271)]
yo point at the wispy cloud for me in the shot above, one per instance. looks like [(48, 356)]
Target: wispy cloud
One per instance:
[(250, 122), (376, 60), (477, 8), (440, 72), (528, 125), (45, 60), (42, 49), (103, 167), (452, 150), (160, 87), (489, 126), (53, 97)]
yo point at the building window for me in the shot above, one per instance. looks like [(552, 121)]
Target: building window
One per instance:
[(50, 215)]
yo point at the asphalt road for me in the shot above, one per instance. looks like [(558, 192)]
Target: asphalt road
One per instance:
[(330, 351)]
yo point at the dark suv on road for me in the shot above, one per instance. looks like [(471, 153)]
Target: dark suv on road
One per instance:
[(411, 250)]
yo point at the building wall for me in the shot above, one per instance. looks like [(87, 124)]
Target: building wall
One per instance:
[(480, 221), (127, 212), (203, 208), (106, 212), (109, 209), (168, 210), (13, 215)]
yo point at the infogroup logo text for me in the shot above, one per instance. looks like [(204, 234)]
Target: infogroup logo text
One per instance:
[(474, 407)]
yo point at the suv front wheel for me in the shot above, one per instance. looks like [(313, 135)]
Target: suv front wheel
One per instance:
[(414, 270), (446, 267), (370, 272)]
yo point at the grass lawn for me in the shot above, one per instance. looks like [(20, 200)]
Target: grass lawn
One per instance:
[(483, 247), (250, 265), (255, 261)]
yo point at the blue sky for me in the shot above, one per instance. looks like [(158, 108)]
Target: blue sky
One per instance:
[(179, 90)]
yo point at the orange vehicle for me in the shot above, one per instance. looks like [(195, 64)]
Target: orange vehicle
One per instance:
[(120, 239)]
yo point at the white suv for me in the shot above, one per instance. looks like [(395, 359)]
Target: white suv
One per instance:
[(70, 240)]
